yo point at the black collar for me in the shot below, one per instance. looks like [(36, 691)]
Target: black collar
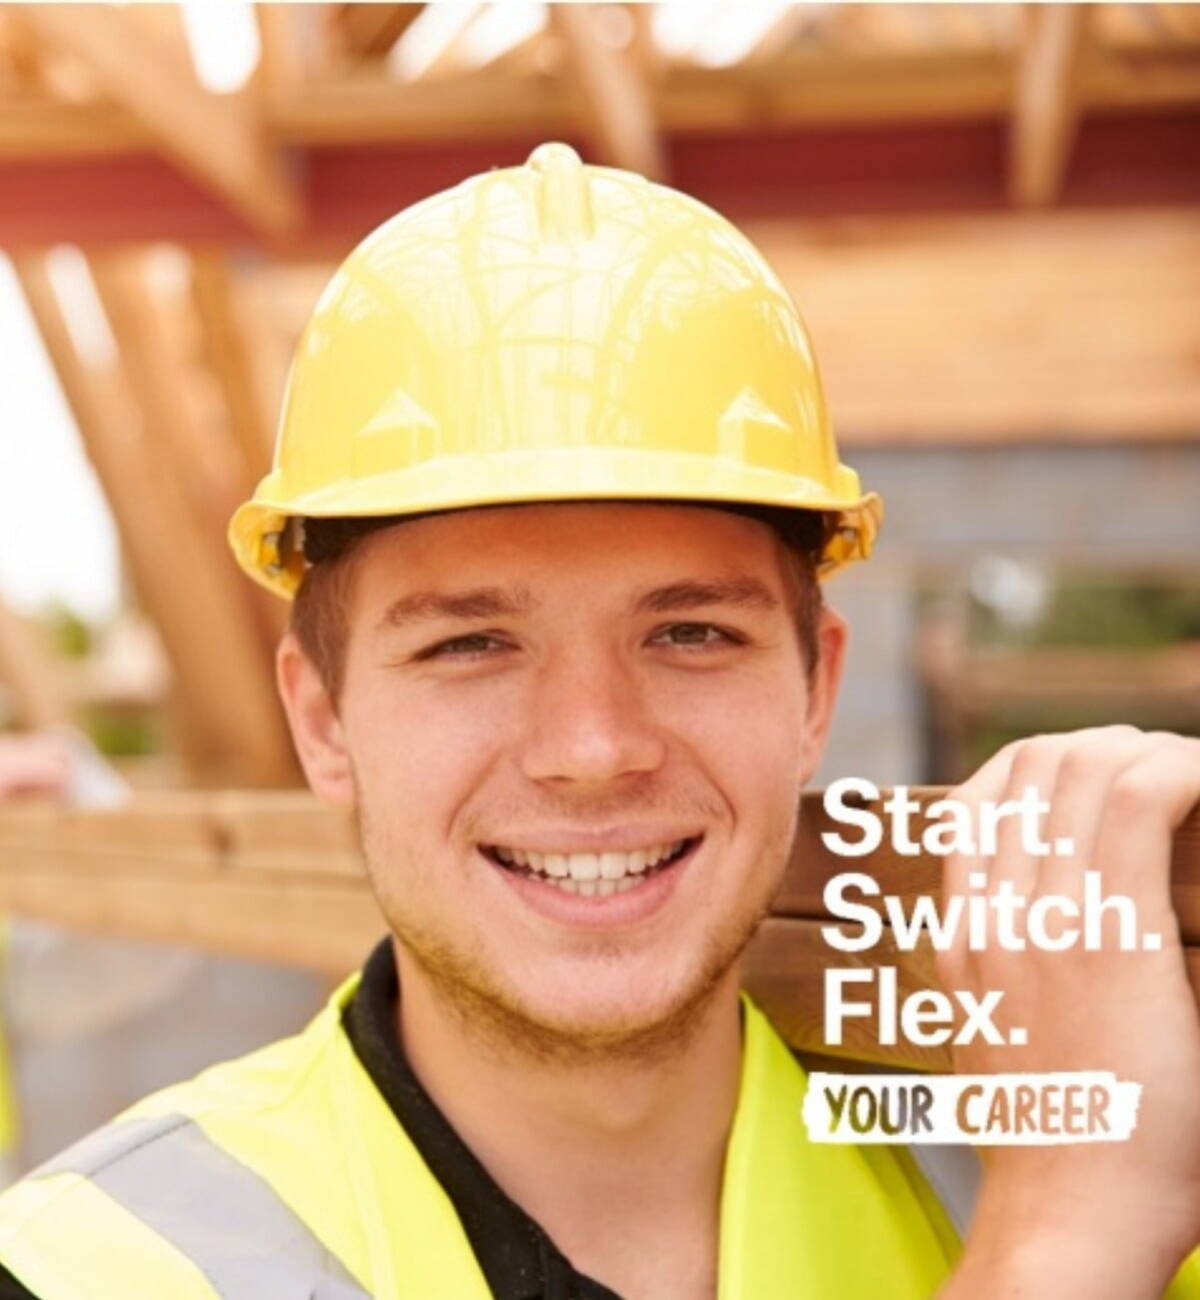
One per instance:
[(517, 1257)]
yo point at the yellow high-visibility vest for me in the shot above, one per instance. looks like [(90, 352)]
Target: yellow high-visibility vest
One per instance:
[(285, 1174)]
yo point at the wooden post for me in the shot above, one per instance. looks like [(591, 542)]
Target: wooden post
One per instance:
[(613, 88), (1046, 107), (27, 669), (223, 680)]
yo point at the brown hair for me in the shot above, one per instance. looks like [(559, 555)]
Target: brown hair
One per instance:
[(320, 609)]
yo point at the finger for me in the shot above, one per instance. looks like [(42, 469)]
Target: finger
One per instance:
[(34, 778), (1144, 805), (30, 766), (1085, 776), (986, 784), (1033, 773)]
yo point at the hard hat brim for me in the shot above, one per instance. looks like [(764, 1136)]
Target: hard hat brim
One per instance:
[(513, 477)]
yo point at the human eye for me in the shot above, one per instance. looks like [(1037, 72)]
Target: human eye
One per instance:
[(471, 645), (696, 636)]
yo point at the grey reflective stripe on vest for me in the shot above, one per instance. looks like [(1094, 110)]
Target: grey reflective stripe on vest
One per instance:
[(214, 1210), (954, 1173)]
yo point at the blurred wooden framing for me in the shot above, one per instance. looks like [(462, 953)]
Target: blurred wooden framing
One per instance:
[(232, 721), (1046, 102), (324, 99), (278, 877), (1083, 324), (370, 30), (1048, 327), (614, 91), (36, 690), (968, 688), (215, 138)]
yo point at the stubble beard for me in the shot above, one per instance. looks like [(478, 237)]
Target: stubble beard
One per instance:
[(502, 1023)]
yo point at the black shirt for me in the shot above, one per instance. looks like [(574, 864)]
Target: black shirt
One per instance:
[(516, 1256)]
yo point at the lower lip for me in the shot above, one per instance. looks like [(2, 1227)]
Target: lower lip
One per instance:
[(648, 896)]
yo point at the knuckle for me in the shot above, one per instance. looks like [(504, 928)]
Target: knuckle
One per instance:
[(1170, 740), (1077, 764), (1133, 793), (1033, 755), (1109, 731), (1005, 755), (965, 792)]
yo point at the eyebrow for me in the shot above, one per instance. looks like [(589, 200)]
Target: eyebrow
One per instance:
[(747, 593), (502, 602), (479, 602)]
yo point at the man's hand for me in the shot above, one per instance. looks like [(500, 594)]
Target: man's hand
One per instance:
[(39, 763), (1106, 1219)]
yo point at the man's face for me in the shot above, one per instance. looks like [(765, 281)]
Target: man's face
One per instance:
[(575, 736)]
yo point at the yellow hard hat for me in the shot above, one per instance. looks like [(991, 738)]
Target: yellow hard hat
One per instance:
[(550, 332)]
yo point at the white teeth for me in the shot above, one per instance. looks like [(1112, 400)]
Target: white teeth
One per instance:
[(583, 866), (613, 865), (592, 874)]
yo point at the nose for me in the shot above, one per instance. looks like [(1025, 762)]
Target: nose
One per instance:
[(588, 721)]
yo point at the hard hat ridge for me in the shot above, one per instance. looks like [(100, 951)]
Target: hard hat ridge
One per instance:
[(564, 199)]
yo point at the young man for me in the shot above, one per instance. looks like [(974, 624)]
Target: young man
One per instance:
[(566, 484)]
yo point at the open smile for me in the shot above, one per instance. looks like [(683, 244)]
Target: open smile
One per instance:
[(589, 875)]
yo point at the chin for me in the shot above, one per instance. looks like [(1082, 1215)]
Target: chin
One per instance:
[(634, 1008), (606, 998), (605, 1012)]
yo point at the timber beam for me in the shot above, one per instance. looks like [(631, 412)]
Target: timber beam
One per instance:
[(277, 876), (613, 91), (786, 93), (945, 166)]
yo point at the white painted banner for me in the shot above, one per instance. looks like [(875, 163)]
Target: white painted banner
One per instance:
[(981, 1109)]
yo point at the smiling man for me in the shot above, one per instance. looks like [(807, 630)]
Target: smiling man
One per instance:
[(553, 492), (607, 785)]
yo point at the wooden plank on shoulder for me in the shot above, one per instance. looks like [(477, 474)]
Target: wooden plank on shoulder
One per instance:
[(813, 865), (279, 877)]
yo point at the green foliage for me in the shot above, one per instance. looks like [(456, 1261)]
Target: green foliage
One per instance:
[(70, 634), (120, 733), (1134, 615), (1019, 607)]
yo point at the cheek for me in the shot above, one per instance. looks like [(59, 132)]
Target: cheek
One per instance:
[(419, 754), (753, 722)]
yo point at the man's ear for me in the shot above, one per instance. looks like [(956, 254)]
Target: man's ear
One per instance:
[(832, 638), (316, 729)]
